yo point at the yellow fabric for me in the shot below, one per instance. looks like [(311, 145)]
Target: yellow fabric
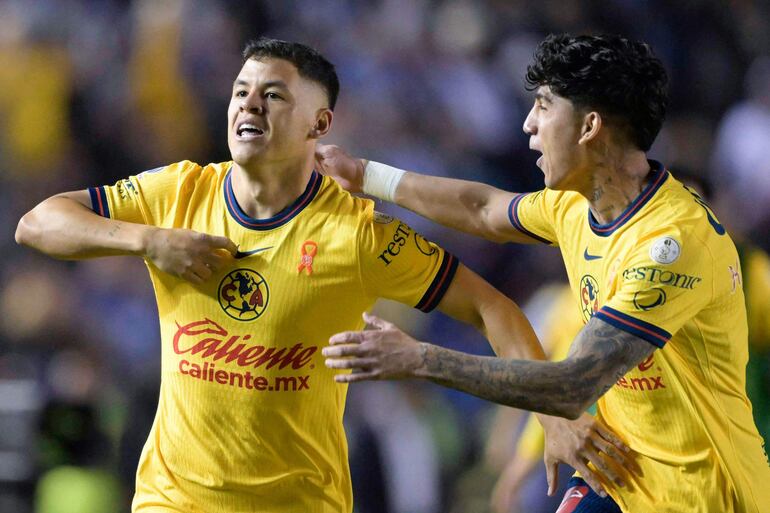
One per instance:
[(757, 288), (684, 410), (250, 419), (168, 111), (34, 128)]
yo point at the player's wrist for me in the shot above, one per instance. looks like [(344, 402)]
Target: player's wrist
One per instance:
[(146, 241), (381, 180), (422, 369)]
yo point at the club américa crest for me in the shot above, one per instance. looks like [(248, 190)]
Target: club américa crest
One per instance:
[(589, 296), (243, 294)]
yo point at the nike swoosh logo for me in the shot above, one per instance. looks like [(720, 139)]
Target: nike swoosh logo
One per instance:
[(242, 254), (590, 257)]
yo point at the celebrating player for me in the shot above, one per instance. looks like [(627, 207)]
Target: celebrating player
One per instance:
[(654, 274), (255, 264)]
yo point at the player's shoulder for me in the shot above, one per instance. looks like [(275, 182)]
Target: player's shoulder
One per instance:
[(682, 208), (339, 202), (184, 170), (550, 196), (553, 202), (563, 206)]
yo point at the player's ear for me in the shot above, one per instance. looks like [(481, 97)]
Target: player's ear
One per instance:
[(590, 126), (323, 124)]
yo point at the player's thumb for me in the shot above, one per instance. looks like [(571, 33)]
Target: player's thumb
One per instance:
[(552, 475), (223, 242), (375, 322), (323, 151)]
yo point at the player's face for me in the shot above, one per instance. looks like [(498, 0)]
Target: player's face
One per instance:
[(273, 113), (554, 129)]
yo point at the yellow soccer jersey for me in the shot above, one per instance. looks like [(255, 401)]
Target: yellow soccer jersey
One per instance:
[(666, 271), (249, 418)]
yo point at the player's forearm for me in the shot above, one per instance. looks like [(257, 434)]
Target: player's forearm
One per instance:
[(63, 228), (512, 336), (563, 389), (458, 204)]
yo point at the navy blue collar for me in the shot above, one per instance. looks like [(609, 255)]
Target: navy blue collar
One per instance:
[(658, 177), (279, 219)]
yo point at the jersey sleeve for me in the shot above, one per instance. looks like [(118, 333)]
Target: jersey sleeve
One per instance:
[(532, 214), (398, 263), (147, 198), (666, 280)]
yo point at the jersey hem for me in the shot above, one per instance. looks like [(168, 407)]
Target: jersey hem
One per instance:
[(440, 283), (644, 330), (99, 202), (513, 217)]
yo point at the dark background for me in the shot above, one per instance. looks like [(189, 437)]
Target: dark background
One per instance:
[(94, 91)]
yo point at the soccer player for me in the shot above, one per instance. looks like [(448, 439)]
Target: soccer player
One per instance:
[(255, 264), (654, 274)]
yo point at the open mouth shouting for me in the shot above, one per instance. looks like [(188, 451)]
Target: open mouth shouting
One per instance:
[(539, 162), (248, 131)]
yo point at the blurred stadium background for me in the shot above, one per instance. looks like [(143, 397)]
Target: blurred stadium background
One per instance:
[(93, 91)]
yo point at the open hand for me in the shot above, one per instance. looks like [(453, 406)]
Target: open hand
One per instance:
[(383, 352), (190, 255), (582, 441), (346, 170)]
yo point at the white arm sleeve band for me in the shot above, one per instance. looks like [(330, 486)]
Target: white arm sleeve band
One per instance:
[(381, 180)]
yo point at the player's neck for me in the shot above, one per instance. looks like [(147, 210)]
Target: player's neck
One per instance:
[(263, 190), (616, 181)]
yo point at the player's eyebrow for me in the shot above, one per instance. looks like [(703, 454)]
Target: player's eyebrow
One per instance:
[(547, 97), (280, 84), (272, 83)]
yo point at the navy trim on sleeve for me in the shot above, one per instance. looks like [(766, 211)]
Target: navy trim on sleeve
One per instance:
[(644, 330), (513, 216), (99, 202), (440, 283)]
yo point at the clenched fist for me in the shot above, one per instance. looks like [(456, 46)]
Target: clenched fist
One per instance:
[(346, 170), (191, 255)]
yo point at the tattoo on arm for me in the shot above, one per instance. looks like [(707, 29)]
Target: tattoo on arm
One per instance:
[(114, 230), (599, 357)]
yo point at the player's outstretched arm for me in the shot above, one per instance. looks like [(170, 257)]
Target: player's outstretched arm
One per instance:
[(600, 356), (65, 227), (471, 207), (388, 353)]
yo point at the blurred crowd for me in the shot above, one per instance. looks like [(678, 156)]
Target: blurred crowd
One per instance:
[(92, 91)]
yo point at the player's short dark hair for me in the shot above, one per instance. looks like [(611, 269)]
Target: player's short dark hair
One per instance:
[(620, 79), (308, 61)]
